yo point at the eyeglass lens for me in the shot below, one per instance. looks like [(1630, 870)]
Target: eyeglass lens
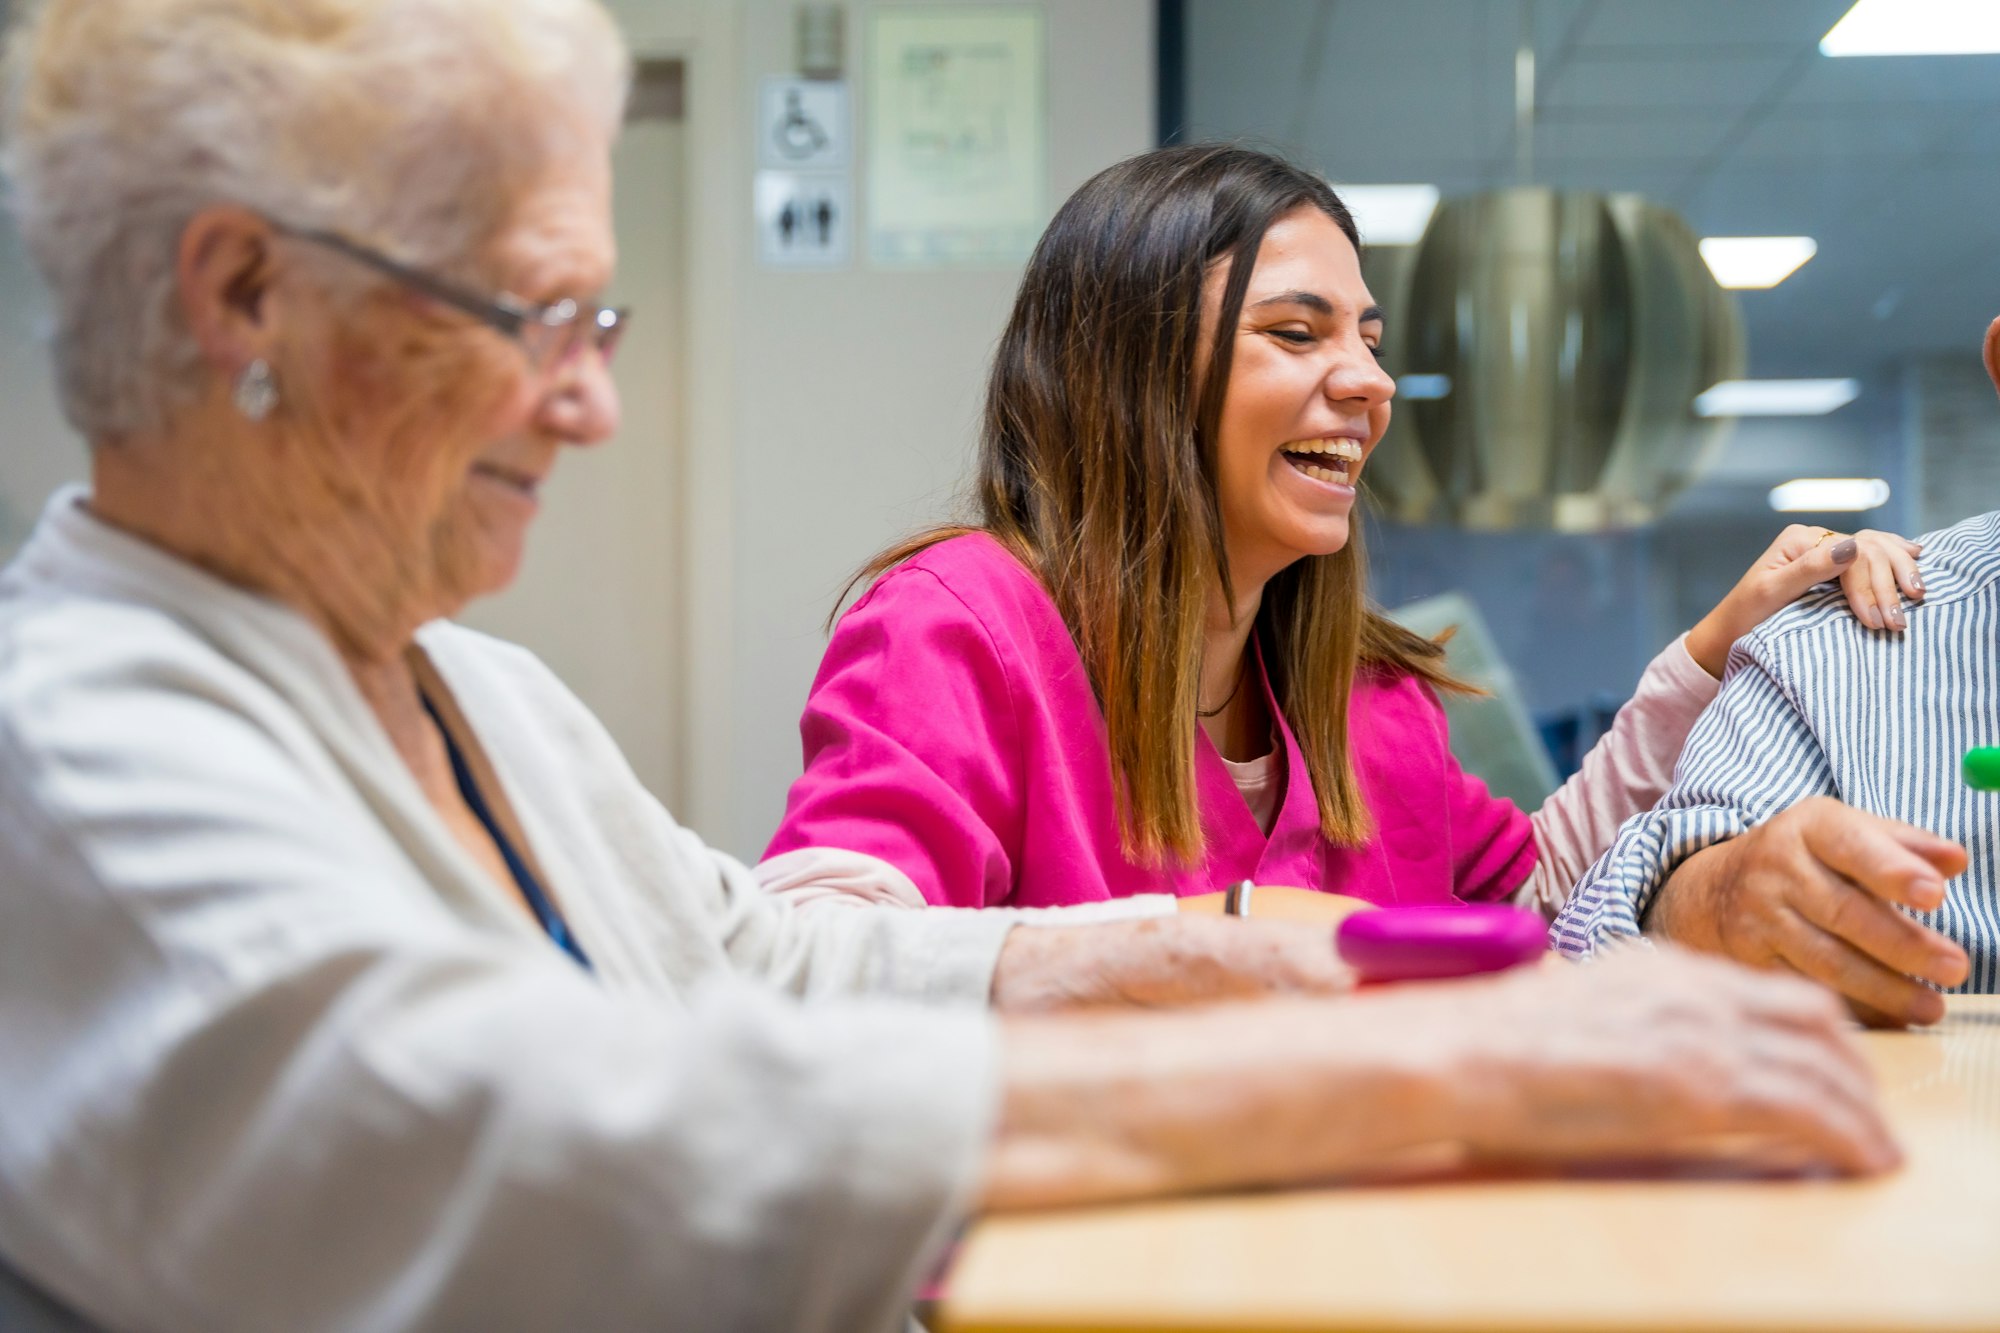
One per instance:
[(553, 345)]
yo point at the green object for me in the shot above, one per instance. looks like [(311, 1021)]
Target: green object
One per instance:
[(1982, 768)]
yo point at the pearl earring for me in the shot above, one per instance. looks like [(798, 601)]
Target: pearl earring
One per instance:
[(256, 390)]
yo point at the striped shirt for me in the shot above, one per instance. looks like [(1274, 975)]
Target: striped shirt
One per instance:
[(1816, 704)]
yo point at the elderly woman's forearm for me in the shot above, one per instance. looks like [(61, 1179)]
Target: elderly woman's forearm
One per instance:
[(1535, 1065), (1123, 1106), (1164, 961)]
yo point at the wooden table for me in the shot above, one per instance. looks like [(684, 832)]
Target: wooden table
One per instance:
[(1917, 1250)]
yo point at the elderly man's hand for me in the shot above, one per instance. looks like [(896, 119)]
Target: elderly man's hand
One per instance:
[(1816, 890)]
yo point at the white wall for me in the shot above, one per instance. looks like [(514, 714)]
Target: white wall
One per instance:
[(829, 412)]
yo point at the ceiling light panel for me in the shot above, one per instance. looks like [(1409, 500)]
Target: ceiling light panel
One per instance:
[(1753, 263), (1390, 214), (1830, 495), (1423, 388), (1916, 28), (1776, 398)]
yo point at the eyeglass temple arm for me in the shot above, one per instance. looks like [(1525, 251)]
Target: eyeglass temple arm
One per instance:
[(504, 314)]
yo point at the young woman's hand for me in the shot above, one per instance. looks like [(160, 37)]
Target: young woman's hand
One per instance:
[(1877, 571)]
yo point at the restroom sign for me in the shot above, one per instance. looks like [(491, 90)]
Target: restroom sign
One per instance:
[(802, 124), (805, 219)]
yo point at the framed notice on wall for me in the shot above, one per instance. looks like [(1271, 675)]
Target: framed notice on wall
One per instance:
[(957, 135)]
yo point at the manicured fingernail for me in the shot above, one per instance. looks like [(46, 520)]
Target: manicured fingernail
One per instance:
[(1843, 551), (1874, 617), (1896, 618), (1917, 583)]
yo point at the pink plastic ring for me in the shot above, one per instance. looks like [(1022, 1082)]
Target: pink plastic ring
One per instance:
[(1426, 943)]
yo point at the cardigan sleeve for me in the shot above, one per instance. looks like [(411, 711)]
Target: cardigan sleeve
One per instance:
[(911, 745)]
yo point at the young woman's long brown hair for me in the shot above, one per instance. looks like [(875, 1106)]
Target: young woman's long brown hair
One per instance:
[(1097, 470)]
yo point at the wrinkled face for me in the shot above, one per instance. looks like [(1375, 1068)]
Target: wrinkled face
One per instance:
[(442, 430), (1307, 398)]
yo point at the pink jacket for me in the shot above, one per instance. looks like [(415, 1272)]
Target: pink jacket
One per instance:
[(953, 733)]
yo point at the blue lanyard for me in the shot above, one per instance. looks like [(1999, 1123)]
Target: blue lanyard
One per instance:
[(539, 902)]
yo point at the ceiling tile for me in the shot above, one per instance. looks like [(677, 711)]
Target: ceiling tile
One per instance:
[(1893, 165), (1796, 23), (1835, 139), (1652, 177), (1963, 132), (1655, 133), (1699, 79), (1918, 81)]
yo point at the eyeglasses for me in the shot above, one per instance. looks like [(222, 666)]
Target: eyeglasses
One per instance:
[(550, 334)]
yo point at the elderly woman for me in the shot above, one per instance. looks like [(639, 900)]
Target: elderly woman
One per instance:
[(348, 976)]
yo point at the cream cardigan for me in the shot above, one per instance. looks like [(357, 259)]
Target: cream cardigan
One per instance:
[(275, 1054)]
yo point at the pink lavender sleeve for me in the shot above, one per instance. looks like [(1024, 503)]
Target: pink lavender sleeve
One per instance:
[(910, 745), (1626, 772)]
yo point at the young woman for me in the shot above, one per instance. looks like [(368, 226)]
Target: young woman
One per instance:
[(1152, 668)]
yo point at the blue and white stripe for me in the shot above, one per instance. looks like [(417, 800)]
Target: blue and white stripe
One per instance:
[(1815, 703)]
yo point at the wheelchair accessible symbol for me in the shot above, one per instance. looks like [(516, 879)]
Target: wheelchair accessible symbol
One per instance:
[(802, 124), (800, 137)]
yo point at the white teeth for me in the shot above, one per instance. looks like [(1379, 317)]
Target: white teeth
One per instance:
[(1324, 474), (1347, 449)]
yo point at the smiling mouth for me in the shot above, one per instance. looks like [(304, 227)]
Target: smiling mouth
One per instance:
[(520, 481), (1325, 460)]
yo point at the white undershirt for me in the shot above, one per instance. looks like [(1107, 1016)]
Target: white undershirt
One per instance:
[(1262, 782)]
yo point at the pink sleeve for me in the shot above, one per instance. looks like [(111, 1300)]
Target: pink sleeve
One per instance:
[(910, 745), (1492, 841)]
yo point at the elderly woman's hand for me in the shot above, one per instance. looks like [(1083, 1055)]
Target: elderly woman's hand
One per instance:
[(1877, 570), (1664, 1055), (1643, 1057)]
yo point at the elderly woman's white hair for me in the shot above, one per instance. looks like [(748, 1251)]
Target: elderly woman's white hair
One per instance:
[(413, 125)]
